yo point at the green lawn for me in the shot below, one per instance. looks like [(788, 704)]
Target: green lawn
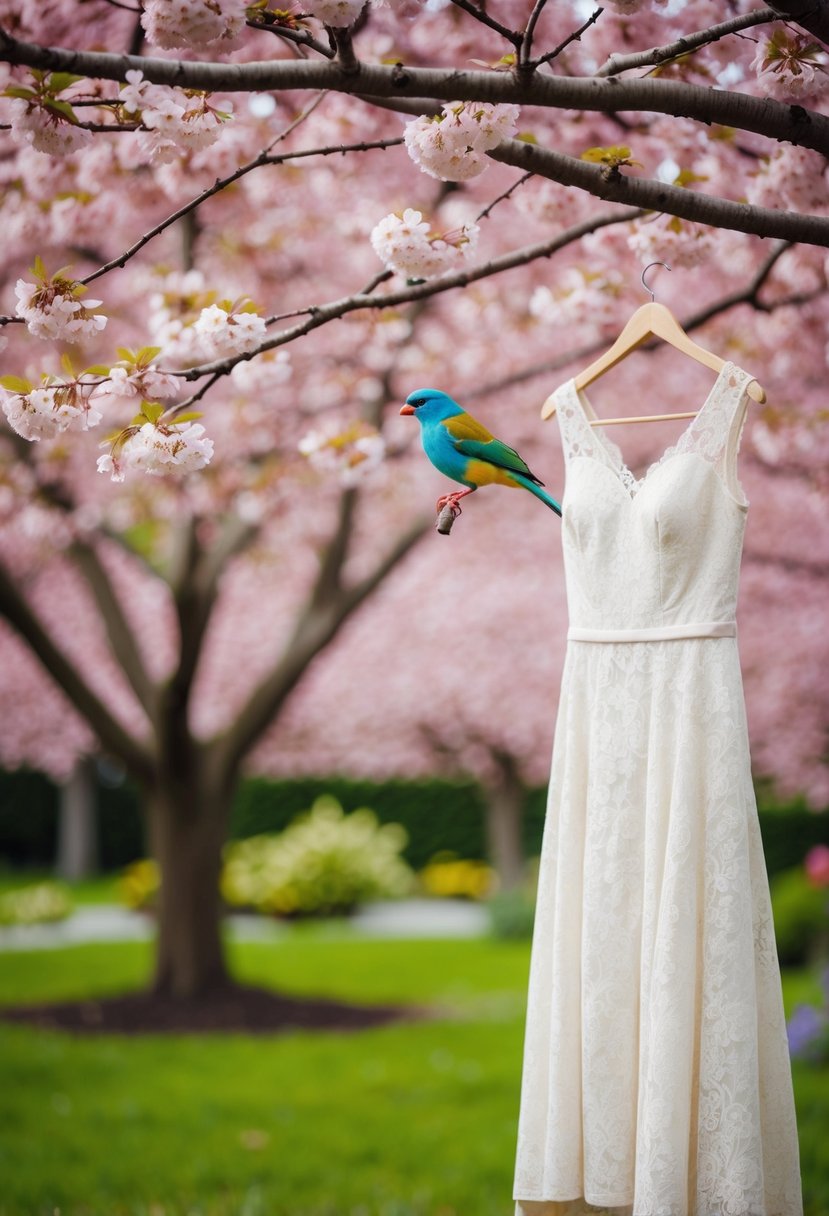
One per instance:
[(415, 1120)]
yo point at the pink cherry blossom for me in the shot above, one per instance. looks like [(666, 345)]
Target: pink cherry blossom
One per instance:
[(816, 865), (452, 146), (46, 131), (158, 449), (44, 412), (178, 24), (335, 12), (790, 65), (53, 309), (408, 247), (350, 454), (224, 332)]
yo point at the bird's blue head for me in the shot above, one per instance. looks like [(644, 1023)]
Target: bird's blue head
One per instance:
[(430, 405)]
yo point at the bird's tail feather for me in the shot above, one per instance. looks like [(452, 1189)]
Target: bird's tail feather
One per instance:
[(539, 493)]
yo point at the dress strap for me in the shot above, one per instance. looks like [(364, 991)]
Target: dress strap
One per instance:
[(714, 434), (577, 436)]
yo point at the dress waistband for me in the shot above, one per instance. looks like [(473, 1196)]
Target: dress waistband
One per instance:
[(657, 633)]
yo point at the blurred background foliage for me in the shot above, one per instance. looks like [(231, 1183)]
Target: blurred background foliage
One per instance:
[(437, 814)]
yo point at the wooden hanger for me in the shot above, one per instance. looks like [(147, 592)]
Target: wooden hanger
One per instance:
[(650, 321)]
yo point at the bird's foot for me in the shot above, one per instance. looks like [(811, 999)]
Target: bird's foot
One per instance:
[(451, 501)]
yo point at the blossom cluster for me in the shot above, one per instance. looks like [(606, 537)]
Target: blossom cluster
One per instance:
[(792, 179), (407, 246), (790, 65), (52, 309), (178, 24), (157, 448), (43, 413), (45, 128), (667, 238), (337, 13), (127, 385), (348, 453), (187, 322), (583, 297), (174, 120), (452, 146), (224, 330)]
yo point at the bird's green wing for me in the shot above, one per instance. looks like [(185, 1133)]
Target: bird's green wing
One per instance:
[(472, 439)]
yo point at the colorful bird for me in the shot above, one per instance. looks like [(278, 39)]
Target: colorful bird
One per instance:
[(464, 450)]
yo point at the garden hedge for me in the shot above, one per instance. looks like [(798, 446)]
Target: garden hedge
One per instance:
[(437, 814)]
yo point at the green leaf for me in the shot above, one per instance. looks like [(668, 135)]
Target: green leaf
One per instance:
[(686, 177), (16, 384), (63, 108), (126, 355), (146, 355), (152, 411), (527, 137), (59, 81), (138, 420), (39, 270), (19, 90), (607, 156), (190, 416), (66, 364), (97, 369)]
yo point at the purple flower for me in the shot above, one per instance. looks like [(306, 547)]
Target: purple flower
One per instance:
[(806, 1027)]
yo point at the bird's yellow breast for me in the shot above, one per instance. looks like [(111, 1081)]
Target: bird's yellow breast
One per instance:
[(482, 473)]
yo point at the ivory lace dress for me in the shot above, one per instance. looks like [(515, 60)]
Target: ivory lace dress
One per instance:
[(656, 1078)]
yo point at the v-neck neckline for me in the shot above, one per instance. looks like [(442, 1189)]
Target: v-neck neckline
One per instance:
[(612, 450)]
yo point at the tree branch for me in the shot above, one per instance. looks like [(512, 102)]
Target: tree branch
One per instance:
[(298, 37), (114, 738), (763, 116), (315, 629), (324, 313), (575, 36), (654, 195), (328, 583), (811, 15), (480, 14), (683, 46), (264, 158), (194, 581), (121, 638), (526, 46)]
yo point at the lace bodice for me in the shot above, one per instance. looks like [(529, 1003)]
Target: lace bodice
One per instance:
[(662, 550)]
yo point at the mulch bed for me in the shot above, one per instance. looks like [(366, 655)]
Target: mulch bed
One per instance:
[(235, 1009)]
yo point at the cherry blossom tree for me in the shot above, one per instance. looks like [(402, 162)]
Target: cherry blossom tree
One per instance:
[(237, 236)]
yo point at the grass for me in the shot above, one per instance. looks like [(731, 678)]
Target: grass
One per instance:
[(415, 1120)]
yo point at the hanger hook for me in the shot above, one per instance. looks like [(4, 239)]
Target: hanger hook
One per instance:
[(650, 290)]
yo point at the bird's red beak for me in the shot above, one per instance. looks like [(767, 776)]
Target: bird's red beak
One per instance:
[(407, 409)]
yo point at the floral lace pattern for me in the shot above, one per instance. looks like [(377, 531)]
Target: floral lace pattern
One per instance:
[(656, 1078)]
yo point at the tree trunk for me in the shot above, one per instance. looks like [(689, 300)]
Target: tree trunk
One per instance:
[(77, 845), (504, 815), (187, 830)]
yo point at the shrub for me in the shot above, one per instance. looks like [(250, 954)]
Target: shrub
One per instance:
[(325, 863), (447, 875), (512, 913), (41, 903), (140, 884), (801, 921)]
